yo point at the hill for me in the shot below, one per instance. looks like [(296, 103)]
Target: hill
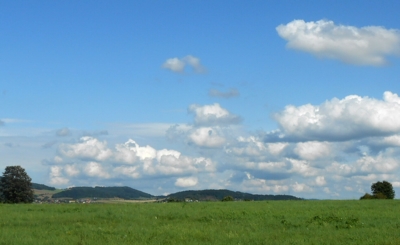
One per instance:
[(42, 187), (216, 195), (102, 192)]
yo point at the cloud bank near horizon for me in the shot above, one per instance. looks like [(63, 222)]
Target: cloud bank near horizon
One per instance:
[(339, 146)]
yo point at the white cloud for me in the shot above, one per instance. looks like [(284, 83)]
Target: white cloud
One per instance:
[(127, 160), (353, 117), (213, 115), (89, 148), (207, 137), (71, 170), (195, 63), (308, 159), (130, 151), (186, 182), (56, 176), (302, 167), (95, 169), (58, 159), (312, 150), (257, 184), (219, 94), (174, 64), (320, 181), (276, 148), (132, 172), (178, 65), (301, 187), (361, 46), (380, 164)]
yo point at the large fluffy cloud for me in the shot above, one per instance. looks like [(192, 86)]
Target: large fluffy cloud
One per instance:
[(353, 117), (88, 148), (362, 46), (206, 137), (94, 159)]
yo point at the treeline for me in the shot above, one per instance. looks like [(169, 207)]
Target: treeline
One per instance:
[(218, 195), (102, 192)]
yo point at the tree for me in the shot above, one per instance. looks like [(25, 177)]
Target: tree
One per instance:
[(384, 188), (16, 186)]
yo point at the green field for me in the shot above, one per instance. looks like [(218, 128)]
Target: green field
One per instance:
[(274, 222)]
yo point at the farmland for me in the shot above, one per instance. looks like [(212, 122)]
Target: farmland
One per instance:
[(262, 222)]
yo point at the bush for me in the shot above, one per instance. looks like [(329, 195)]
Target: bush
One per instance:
[(367, 196), (380, 196), (227, 199)]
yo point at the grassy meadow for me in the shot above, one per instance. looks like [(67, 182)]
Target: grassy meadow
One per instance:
[(263, 222)]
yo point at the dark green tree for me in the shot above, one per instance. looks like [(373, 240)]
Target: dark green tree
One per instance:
[(227, 199), (384, 188), (16, 186)]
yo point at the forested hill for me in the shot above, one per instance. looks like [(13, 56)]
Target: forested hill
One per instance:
[(42, 187), (214, 195), (130, 193), (103, 192)]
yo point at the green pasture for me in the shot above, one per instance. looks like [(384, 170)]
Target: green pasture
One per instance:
[(274, 222)]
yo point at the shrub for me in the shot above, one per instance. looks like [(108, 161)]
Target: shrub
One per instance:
[(227, 199)]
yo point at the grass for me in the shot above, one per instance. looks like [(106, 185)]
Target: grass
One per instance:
[(275, 222)]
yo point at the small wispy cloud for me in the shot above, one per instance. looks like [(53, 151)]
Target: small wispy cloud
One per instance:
[(178, 64), (63, 132), (219, 94)]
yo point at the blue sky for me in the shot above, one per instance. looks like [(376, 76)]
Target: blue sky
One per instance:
[(266, 97)]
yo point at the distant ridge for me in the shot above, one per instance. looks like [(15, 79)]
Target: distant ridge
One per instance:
[(129, 193), (123, 192), (216, 195)]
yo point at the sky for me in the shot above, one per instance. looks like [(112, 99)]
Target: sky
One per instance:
[(266, 97)]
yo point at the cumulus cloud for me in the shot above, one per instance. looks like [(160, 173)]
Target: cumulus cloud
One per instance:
[(353, 117), (88, 148), (178, 64), (320, 181), (338, 147), (207, 137), (219, 94), (361, 46), (186, 182), (71, 170), (301, 187), (127, 160), (312, 150), (1, 123), (95, 169), (213, 115), (56, 176)]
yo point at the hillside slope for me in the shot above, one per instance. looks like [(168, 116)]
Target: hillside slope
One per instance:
[(215, 195), (103, 192)]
